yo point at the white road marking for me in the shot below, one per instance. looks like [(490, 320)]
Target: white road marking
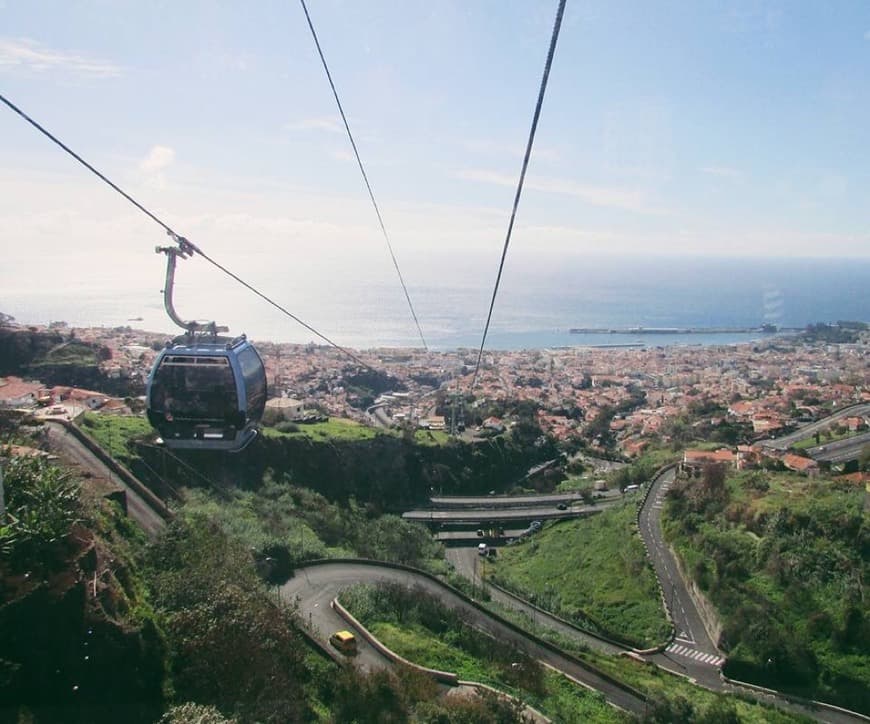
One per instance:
[(700, 656)]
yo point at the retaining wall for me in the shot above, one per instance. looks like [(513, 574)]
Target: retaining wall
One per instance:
[(129, 479)]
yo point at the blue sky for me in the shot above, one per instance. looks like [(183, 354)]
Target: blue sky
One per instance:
[(687, 128)]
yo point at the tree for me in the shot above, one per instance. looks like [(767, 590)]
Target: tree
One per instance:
[(232, 647)]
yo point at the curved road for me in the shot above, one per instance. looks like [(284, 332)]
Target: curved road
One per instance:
[(315, 586), (786, 441), (841, 451), (692, 652), (696, 650)]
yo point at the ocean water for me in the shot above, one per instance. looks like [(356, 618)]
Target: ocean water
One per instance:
[(541, 297)]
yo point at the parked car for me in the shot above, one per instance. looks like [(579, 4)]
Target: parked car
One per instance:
[(562, 506)]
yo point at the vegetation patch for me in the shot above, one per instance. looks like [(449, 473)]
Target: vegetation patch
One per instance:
[(672, 698), (784, 559), (332, 429), (432, 437), (416, 626), (80, 642), (592, 571), (116, 433), (287, 525)]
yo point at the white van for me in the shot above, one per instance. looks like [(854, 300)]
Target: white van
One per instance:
[(482, 549)]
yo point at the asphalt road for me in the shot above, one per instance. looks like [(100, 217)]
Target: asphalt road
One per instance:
[(840, 451), (786, 441), (692, 647), (73, 453), (313, 587), (692, 653)]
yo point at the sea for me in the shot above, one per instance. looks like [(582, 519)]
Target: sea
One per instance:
[(541, 297)]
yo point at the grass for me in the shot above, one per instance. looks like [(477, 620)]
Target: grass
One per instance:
[(465, 652), (114, 432), (563, 701), (333, 429), (592, 571), (431, 437), (576, 483), (350, 430), (825, 438)]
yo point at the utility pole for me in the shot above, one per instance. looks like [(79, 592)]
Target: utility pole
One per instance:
[(2, 498)]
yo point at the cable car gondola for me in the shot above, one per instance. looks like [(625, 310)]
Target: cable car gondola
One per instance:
[(205, 392)]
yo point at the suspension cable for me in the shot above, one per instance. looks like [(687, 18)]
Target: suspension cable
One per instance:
[(178, 238), (220, 489), (364, 175), (554, 37)]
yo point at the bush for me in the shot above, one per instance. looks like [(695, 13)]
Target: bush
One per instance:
[(42, 507), (232, 647)]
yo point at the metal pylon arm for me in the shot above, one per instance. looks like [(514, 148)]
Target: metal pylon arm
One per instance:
[(184, 250)]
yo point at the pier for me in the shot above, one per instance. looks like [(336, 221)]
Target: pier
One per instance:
[(763, 329)]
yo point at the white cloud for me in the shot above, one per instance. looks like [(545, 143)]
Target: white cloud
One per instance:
[(27, 54), (630, 200), (867, 35), (722, 171), (340, 155), (332, 124), (157, 159)]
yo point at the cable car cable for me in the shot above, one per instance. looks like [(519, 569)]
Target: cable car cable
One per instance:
[(555, 36), (221, 490), (85, 164), (364, 175), (178, 238)]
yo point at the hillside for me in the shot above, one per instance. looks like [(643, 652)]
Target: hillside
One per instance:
[(784, 559)]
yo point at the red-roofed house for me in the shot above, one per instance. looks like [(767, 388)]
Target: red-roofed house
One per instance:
[(694, 460), (15, 392), (855, 423), (742, 408), (800, 464)]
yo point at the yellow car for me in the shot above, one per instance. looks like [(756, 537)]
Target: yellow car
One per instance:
[(344, 641)]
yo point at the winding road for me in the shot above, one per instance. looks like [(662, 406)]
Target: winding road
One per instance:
[(696, 652), (691, 653), (313, 588)]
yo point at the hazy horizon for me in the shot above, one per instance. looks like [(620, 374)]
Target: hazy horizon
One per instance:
[(705, 131)]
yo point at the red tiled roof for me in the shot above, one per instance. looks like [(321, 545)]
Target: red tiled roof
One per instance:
[(798, 463), (11, 388)]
